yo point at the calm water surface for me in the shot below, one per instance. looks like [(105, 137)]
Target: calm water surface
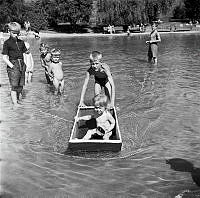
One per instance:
[(158, 111)]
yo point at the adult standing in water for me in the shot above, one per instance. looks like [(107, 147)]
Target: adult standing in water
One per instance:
[(153, 45)]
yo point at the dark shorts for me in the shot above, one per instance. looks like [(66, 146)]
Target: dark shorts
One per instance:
[(16, 74)]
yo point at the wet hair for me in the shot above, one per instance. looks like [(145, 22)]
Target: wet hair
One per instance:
[(101, 100), (43, 46), (55, 52), (153, 23), (95, 55), (14, 26)]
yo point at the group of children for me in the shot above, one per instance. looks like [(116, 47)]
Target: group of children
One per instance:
[(50, 61), (19, 61)]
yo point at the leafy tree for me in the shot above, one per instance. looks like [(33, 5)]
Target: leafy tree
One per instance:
[(36, 14), (192, 8), (73, 11)]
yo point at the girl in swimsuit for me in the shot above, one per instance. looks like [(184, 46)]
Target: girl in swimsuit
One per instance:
[(153, 45), (102, 76)]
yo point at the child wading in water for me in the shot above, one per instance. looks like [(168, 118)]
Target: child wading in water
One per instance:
[(153, 45), (103, 78), (45, 59), (56, 72), (104, 121), (28, 59), (13, 49)]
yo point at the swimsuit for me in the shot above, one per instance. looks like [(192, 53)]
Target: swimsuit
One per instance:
[(100, 76), (153, 47)]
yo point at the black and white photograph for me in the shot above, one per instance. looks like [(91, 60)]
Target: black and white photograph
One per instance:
[(99, 98)]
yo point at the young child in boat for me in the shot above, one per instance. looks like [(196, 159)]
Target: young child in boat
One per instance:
[(56, 72), (104, 121), (28, 59), (45, 59), (103, 78)]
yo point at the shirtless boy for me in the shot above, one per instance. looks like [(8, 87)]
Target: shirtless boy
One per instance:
[(56, 72)]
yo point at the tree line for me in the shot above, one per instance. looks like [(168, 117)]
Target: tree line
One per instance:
[(43, 14)]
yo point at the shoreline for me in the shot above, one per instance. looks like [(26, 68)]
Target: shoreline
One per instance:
[(54, 34), (69, 35)]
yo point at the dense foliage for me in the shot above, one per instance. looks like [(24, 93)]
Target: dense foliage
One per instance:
[(48, 13)]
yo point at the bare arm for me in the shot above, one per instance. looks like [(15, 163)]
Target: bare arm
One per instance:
[(112, 122), (7, 61), (50, 73), (87, 117), (110, 79), (42, 63), (84, 89)]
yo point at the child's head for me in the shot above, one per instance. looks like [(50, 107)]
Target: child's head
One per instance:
[(14, 29), (101, 102), (44, 48), (154, 26), (95, 58), (55, 55)]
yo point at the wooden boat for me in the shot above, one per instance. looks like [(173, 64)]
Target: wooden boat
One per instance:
[(95, 143)]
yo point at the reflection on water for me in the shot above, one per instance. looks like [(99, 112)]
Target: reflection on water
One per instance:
[(159, 118)]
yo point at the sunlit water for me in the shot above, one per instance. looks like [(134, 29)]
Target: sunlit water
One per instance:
[(158, 111)]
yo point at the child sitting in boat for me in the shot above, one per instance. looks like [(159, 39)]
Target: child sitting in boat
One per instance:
[(28, 59), (45, 59), (56, 72), (104, 121)]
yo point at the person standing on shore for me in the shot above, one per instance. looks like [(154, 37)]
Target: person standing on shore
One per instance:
[(153, 45), (13, 49)]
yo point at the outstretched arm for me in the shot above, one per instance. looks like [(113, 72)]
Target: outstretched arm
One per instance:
[(84, 89), (110, 79)]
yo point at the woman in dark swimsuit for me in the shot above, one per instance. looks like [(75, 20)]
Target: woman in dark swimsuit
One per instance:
[(102, 76), (153, 45)]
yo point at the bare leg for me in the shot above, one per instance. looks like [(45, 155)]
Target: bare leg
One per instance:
[(108, 90), (14, 98), (61, 87), (97, 89), (56, 85), (89, 134), (26, 77), (30, 77), (107, 135), (155, 60)]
